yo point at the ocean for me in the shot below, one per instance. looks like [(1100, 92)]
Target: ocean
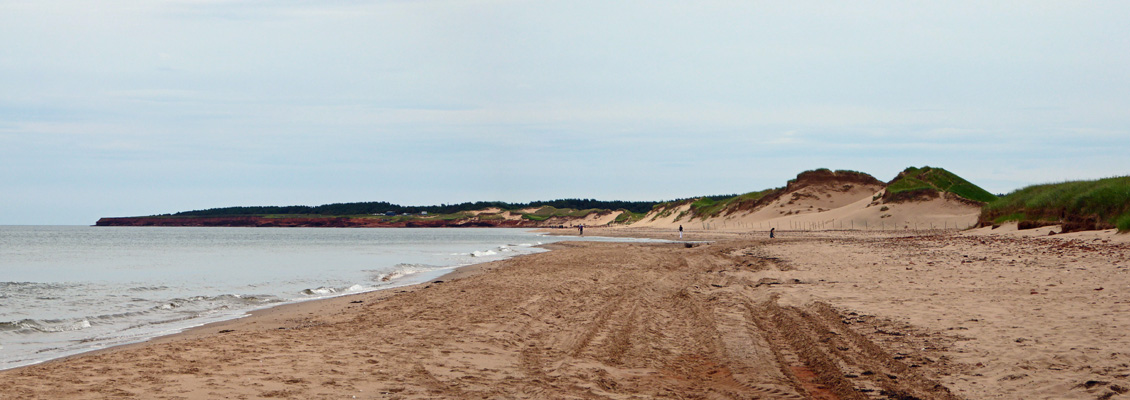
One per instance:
[(65, 290)]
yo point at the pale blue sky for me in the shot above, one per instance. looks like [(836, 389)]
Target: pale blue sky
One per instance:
[(115, 108)]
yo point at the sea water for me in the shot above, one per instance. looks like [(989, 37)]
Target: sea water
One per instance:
[(67, 290)]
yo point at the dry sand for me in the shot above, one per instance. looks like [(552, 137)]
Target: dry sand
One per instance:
[(822, 208), (847, 315)]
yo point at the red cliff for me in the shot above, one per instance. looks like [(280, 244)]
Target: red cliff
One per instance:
[(326, 222)]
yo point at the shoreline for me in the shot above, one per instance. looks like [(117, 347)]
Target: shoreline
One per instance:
[(22, 355), (270, 315), (275, 316), (816, 315)]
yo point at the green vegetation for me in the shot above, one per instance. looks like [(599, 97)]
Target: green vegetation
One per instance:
[(535, 217), (628, 217), (1102, 203), (665, 209), (706, 206), (291, 216), (1123, 223), (711, 207), (491, 217), (826, 171), (380, 207), (547, 212), (913, 180), (1014, 217), (453, 216), (1096, 204)]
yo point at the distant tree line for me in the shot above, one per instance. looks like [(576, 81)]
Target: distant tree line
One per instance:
[(380, 207)]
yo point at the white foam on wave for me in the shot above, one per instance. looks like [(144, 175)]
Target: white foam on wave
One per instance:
[(400, 271), (326, 291), (130, 307), (31, 325), (214, 301), (320, 291)]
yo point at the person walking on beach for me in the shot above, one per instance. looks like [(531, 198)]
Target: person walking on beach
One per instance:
[(771, 232), (680, 232), (581, 229)]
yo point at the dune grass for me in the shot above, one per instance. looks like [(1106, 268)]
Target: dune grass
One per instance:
[(926, 178), (1123, 223), (707, 207), (628, 217), (1106, 202), (547, 212)]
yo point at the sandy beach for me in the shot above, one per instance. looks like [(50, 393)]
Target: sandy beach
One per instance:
[(813, 315)]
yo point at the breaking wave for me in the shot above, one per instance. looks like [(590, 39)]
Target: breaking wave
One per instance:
[(507, 248), (221, 301), (184, 308), (400, 271), (485, 253), (44, 326), (323, 291)]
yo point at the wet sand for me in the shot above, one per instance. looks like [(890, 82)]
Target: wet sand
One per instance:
[(826, 315)]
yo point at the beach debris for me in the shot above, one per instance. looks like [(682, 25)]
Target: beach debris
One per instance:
[(767, 282), (1092, 383)]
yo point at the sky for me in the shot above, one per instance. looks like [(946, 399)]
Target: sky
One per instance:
[(126, 108)]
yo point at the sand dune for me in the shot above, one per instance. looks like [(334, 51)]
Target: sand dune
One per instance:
[(598, 219), (832, 208), (665, 219)]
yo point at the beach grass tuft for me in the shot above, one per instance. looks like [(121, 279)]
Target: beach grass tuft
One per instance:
[(1123, 223), (1102, 203), (628, 217)]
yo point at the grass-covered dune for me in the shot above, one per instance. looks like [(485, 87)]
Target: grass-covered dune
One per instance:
[(1078, 205), (722, 205), (707, 207), (914, 182)]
